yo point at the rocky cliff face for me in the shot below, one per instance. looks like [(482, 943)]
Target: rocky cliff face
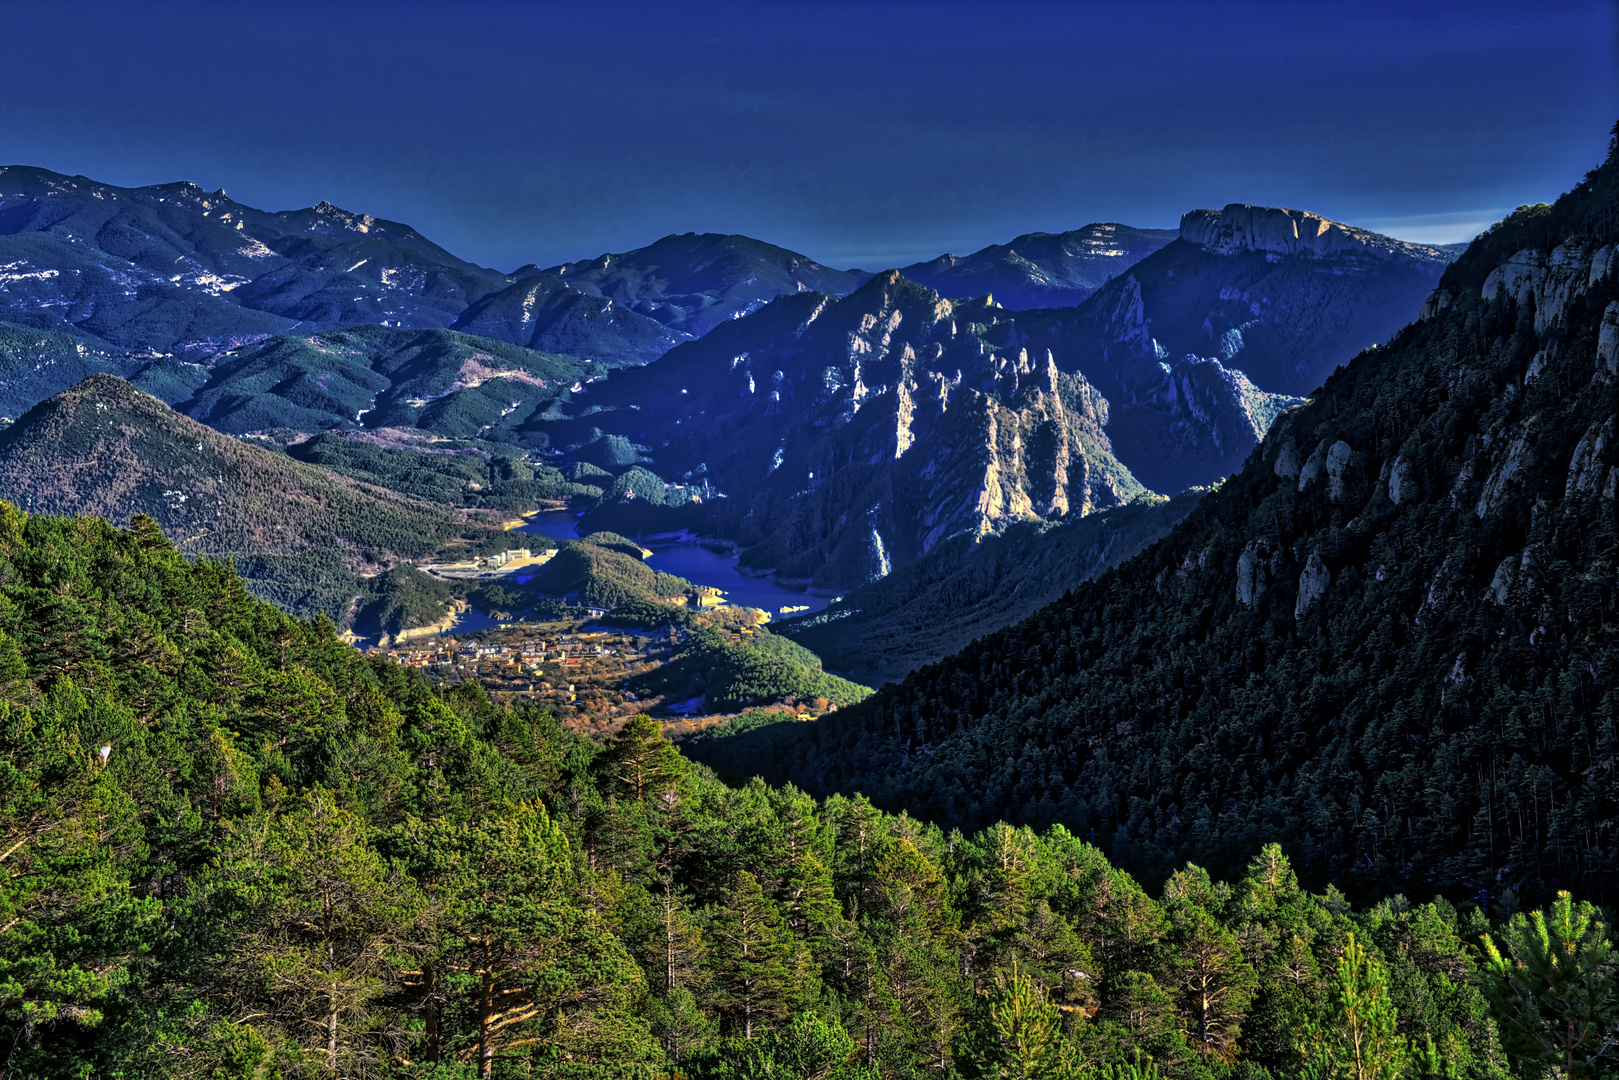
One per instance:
[(1241, 227), (852, 436), (1249, 308)]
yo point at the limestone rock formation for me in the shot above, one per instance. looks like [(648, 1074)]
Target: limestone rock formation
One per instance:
[(893, 415), (1241, 227), (1277, 298), (1313, 582)]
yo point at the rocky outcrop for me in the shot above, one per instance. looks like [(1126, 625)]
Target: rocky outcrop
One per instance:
[(1287, 460), (1549, 280), (1279, 231), (1253, 573), (1337, 461), (1587, 468), (893, 415), (1402, 481), (1608, 339), (1313, 468), (1495, 485), (1313, 584), (1277, 299)]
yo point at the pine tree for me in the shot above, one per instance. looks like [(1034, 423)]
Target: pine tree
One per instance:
[(639, 760), (1357, 1039), (1554, 986), (1021, 1033), (520, 947), (319, 928), (759, 974), (1211, 982)]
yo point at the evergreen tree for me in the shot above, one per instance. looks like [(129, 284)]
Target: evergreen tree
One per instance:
[(1357, 1039), (639, 761), (1021, 1036), (1211, 982), (758, 972), (521, 950), (1553, 984), (319, 925)]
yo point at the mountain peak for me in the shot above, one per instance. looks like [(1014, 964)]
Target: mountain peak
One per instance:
[(1278, 230)]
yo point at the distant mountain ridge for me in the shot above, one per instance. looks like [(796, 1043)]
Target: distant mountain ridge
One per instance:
[(1042, 270), (1201, 343), (692, 282), (175, 268), (1242, 227)]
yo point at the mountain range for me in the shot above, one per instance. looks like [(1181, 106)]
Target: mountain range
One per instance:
[(1388, 640), (834, 424), (1202, 342), (852, 436)]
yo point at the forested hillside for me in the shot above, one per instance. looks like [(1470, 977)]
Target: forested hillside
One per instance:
[(235, 847), (1389, 640), (968, 587), (302, 536)]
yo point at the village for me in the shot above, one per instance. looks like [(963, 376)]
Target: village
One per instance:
[(578, 671)]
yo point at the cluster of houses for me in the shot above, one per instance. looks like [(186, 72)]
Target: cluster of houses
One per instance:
[(582, 668)]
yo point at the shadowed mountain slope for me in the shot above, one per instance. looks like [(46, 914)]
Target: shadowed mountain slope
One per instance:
[(1389, 641), (966, 588)]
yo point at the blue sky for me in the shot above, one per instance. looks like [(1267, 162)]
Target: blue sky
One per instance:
[(869, 133)]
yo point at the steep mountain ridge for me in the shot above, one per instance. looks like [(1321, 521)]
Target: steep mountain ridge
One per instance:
[(851, 436), (1242, 227), (1388, 642), (1042, 270)]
